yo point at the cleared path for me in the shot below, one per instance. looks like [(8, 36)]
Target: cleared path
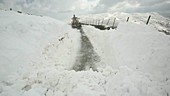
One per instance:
[(87, 57)]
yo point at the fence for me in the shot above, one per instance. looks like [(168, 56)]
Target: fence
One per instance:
[(104, 24)]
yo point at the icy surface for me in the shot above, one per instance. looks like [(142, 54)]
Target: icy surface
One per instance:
[(37, 55)]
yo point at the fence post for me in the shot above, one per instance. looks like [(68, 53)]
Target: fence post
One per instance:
[(148, 19), (114, 22), (95, 21), (108, 21), (98, 21), (127, 19), (102, 22)]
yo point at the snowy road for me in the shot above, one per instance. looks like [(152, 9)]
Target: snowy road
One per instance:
[(87, 57)]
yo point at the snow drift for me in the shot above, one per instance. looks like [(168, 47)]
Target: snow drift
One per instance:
[(37, 54), (25, 37)]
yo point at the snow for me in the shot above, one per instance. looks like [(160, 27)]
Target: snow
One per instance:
[(159, 22), (141, 54), (25, 37), (37, 55)]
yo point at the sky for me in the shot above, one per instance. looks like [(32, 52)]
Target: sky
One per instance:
[(62, 9)]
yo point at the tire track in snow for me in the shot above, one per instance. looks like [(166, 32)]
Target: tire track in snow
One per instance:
[(87, 57)]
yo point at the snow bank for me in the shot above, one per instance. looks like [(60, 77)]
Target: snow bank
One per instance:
[(134, 58), (23, 38), (138, 48)]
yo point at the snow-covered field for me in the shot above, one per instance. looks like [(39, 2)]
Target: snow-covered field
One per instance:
[(37, 55)]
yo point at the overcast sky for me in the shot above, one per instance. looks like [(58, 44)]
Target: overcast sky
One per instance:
[(65, 8)]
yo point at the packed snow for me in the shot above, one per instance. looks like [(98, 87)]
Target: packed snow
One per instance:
[(38, 53)]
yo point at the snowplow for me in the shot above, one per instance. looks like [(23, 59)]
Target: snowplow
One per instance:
[(75, 22)]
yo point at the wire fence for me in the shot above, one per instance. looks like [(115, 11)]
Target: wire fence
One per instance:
[(110, 23)]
